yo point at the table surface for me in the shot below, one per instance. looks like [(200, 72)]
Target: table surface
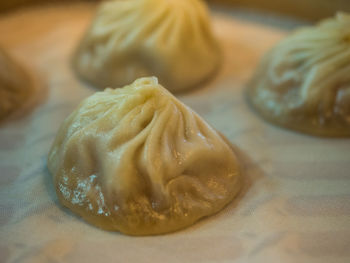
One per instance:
[(295, 204)]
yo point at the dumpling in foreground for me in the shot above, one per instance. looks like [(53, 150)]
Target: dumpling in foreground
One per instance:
[(138, 161), (304, 82), (16, 86), (129, 39)]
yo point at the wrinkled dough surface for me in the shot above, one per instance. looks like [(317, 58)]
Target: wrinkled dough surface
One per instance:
[(15, 85), (138, 161), (304, 82), (130, 39)]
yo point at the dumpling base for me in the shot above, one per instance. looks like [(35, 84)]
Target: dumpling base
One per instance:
[(299, 121), (151, 222)]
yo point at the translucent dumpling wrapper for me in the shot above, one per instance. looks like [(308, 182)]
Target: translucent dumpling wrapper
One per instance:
[(129, 39), (16, 86), (303, 83), (138, 161)]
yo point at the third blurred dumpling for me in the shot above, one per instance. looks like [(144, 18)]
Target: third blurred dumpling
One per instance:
[(304, 82)]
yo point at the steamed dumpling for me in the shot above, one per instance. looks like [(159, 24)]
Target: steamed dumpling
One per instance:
[(304, 82), (128, 39), (15, 86), (138, 161)]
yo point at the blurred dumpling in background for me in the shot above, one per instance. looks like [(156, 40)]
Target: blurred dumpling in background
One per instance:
[(303, 83), (138, 161), (16, 86), (128, 39)]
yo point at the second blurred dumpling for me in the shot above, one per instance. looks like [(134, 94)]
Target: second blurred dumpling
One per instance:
[(128, 39)]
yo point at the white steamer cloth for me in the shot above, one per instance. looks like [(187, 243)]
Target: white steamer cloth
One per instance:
[(295, 206)]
